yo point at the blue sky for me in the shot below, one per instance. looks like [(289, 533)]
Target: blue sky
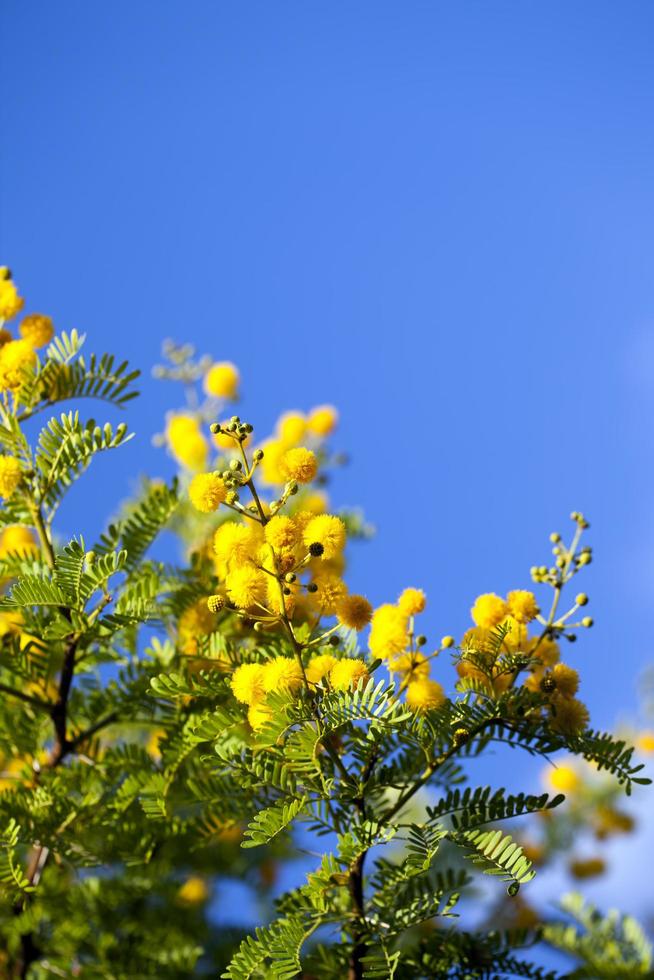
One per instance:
[(438, 216)]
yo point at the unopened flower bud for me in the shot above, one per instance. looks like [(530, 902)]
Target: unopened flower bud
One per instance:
[(447, 642), (215, 603), (581, 599), (587, 621), (460, 737)]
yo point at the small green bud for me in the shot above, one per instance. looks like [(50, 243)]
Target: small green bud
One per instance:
[(214, 428), (257, 455), (312, 587), (293, 488), (334, 641), (290, 577), (587, 621), (555, 537), (582, 599), (447, 642), (236, 465), (421, 640)]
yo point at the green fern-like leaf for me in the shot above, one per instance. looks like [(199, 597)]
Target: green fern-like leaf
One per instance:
[(272, 821), (496, 854)]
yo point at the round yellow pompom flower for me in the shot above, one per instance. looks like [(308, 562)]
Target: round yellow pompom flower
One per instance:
[(645, 742), (281, 533), (489, 610), (291, 428), (328, 532), (207, 492), (37, 329), (569, 716), (423, 694), (283, 674), (10, 302), (245, 586), (299, 464), (322, 420), (10, 475), (567, 680), (194, 891), (522, 605), (186, 442), (319, 667), (354, 611), (16, 358), (18, 538), (564, 779), (221, 380), (412, 601), (388, 634), (235, 544), (331, 592), (247, 683), (346, 674)]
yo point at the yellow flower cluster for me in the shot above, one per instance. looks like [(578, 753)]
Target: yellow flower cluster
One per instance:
[(10, 475), (490, 610), (11, 302), (252, 682), (17, 358), (392, 640), (281, 461), (18, 355), (483, 661)]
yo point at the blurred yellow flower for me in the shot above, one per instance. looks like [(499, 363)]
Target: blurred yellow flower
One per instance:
[(221, 380)]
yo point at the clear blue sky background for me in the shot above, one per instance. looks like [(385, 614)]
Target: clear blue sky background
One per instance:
[(439, 216)]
